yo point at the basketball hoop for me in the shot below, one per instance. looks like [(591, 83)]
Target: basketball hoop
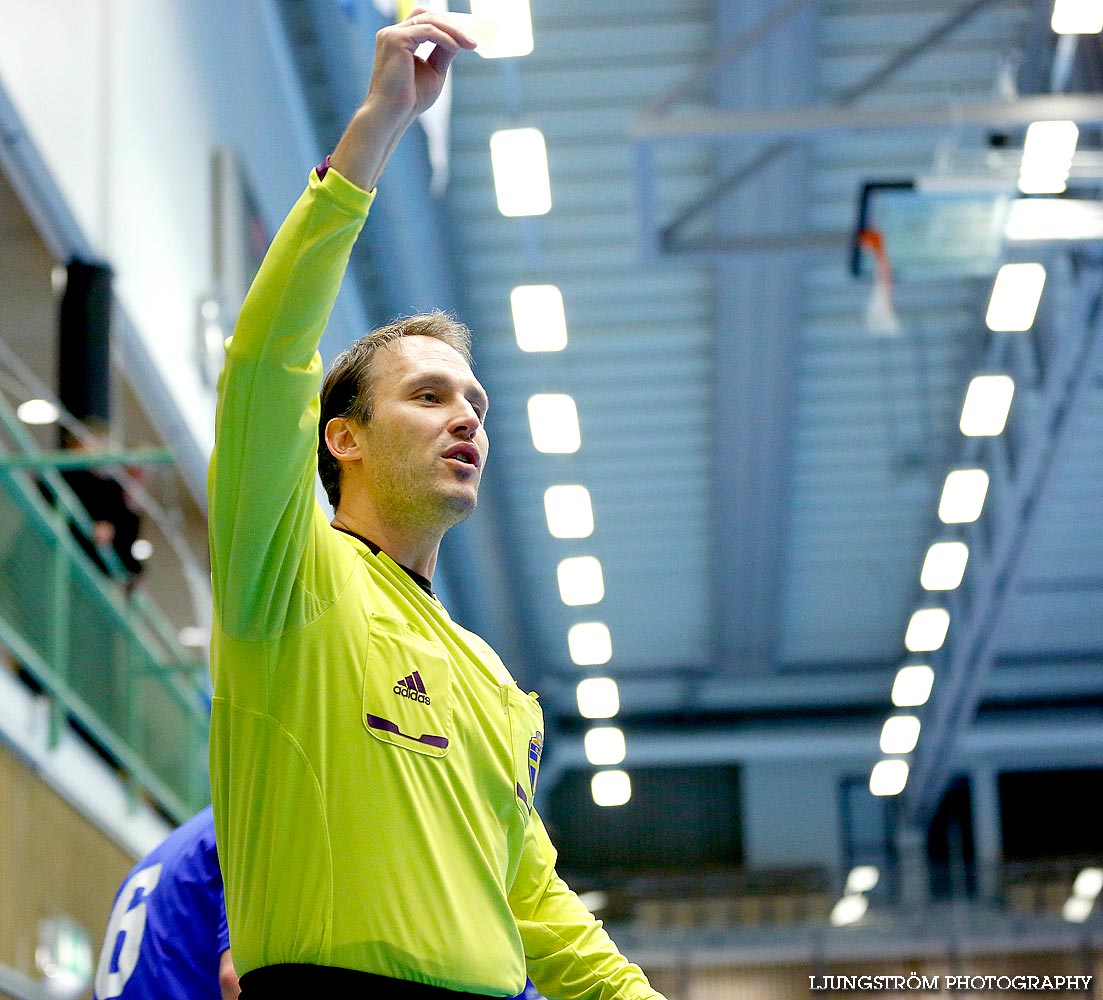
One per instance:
[(881, 319)]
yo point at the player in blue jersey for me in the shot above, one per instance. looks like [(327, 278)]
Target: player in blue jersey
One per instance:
[(167, 936)]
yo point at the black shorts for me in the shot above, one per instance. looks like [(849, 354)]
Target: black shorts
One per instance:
[(306, 982)]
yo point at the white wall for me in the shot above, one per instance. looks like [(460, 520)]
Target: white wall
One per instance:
[(124, 100)]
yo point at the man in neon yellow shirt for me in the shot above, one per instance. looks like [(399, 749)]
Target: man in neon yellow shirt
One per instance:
[(373, 764)]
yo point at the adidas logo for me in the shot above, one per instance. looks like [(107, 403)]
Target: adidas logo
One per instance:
[(411, 687)]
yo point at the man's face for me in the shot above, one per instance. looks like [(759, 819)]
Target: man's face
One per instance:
[(425, 445)]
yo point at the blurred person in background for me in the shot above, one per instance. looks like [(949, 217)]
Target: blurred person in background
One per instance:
[(115, 523)]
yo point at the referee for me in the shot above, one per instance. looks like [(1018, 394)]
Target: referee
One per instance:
[(373, 764)]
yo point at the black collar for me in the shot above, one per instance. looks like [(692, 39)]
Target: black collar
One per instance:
[(422, 581)]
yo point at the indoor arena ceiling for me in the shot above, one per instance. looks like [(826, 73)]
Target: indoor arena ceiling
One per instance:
[(765, 471)]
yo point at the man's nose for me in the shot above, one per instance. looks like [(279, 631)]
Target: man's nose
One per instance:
[(465, 421)]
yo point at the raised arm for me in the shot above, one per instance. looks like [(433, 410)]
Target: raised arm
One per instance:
[(402, 87), (262, 475)]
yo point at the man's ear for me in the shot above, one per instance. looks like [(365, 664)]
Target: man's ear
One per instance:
[(341, 439)]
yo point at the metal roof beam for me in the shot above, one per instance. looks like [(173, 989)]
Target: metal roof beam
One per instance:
[(758, 320), (687, 689), (815, 120), (652, 123), (1071, 738), (742, 43)]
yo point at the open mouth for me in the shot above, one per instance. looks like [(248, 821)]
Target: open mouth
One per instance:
[(463, 454)]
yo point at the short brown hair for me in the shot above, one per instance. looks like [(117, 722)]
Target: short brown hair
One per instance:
[(347, 389)]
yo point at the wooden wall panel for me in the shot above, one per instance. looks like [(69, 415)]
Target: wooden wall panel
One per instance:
[(53, 862)]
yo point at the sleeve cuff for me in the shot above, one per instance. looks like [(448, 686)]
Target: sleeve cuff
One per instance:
[(325, 178)]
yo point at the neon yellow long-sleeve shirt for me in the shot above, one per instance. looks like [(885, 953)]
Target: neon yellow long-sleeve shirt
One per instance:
[(370, 758)]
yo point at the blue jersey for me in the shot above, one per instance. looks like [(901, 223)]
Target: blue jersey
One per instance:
[(167, 930)]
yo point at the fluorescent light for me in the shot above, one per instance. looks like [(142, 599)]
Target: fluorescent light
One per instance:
[(888, 777), (539, 320), (899, 734), (944, 566), (1077, 910), (569, 511), (580, 581), (1016, 293), (553, 420), (1077, 17), (594, 900), (590, 644), (37, 412), (193, 636), (598, 698), (912, 686), (849, 910), (963, 496), (862, 878), (1044, 181), (987, 403), (1054, 219), (504, 28), (604, 745), (1088, 883), (482, 29), (519, 160), (611, 788), (1047, 157), (927, 630)]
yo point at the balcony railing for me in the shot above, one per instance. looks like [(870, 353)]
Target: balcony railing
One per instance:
[(104, 654)]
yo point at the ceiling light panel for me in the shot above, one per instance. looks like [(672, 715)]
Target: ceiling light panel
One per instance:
[(849, 910), (539, 319), (1077, 910), (503, 28), (1047, 157), (569, 511), (912, 686), (987, 404), (1054, 219), (598, 698), (590, 644), (899, 734), (1016, 293), (553, 421), (580, 581), (862, 878), (37, 412), (519, 160), (611, 788), (963, 496), (1077, 17), (888, 777), (927, 630), (944, 566), (604, 746), (1088, 884)]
